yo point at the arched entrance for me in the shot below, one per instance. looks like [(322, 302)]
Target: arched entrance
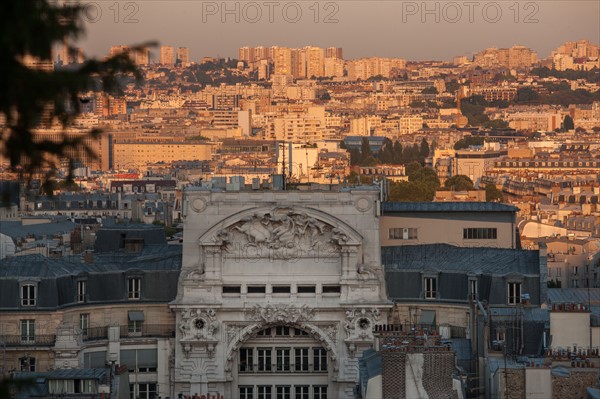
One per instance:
[(283, 361)]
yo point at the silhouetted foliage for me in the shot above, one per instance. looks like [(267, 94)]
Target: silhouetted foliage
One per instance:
[(31, 29), (526, 95), (492, 193), (459, 183), (570, 74), (468, 141), (424, 150), (568, 123), (473, 108), (421, 185)]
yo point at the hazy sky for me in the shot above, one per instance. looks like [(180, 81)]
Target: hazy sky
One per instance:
[(414, 30)]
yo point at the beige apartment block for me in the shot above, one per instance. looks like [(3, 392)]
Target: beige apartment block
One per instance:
[(139, 154), (99, 147), (167, 55), (315, 62), (142, 56), (282, 58), (365, 68), (299, 128), (468, 224), (334, 52), (183, 55)]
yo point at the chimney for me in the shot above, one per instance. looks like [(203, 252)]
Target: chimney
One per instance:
[(88, 256), (543, 254)]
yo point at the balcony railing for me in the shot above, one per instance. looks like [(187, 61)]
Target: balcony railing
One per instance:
[(95, 333), (444, 330), (145, 330), (149, 330), (19, 340)]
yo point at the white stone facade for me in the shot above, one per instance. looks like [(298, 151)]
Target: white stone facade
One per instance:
[(271, 283)]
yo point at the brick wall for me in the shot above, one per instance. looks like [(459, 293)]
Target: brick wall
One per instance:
[(393, 375), (437, 375), (574, 386), (515, 379)]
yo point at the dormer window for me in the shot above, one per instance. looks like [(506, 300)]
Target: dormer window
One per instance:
[(81, 290), (28, 294), (430, 287), (514, 293), (134, 288)]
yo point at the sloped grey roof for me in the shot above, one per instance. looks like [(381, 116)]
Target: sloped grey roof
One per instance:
[(447, 207), (369, 366), (15, 229), (156, 257), (444, 257), (112, 238), (462, 348), (574, 295), (65, 374), (529, 314)]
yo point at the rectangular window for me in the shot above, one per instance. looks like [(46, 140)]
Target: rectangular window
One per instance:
[(301, 359), (480, 233), (28, 295), (473, 289), (283, 392), (282, 331), (281, 289), (232, 289), (246, 392), (81, 290), (331, 289), (307, 289), (135, 326), (146, 391), (514, 293), (301, 392), (264, 391), (134, 285), (283, 359), (319, 359), (403, 233), (146, 360), (27, 363), (300, 333), (264, 359), (28, 331), (265, 332), (500, 335), (319, 391), (246, 359), (84, 323), (575, 284), (256, 289), (430, 287)]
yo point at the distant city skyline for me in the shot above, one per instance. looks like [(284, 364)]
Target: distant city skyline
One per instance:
[(383, 28)]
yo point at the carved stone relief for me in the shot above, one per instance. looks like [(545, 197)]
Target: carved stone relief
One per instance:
[(359, 323), (281, 314), (198, 328), (279, 231)]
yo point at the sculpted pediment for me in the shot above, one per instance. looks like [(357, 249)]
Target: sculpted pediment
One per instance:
[(280, 232)]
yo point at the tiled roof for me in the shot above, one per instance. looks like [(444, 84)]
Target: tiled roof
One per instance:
[(159, 257), (446, 207), (574, 295), (444, 257)]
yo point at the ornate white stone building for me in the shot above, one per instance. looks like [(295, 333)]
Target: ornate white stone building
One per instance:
[(278, 293)]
